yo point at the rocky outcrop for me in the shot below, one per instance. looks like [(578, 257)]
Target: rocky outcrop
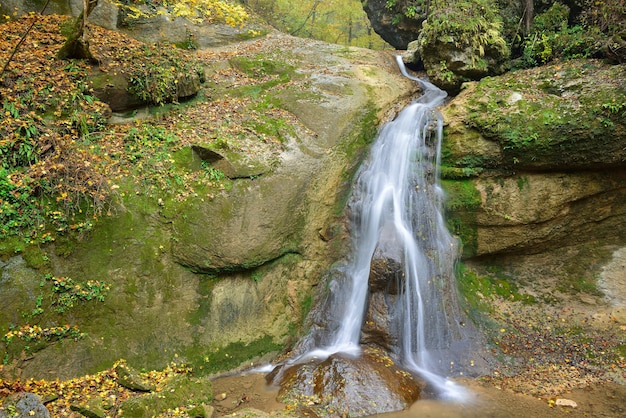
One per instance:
[(235, 267), (539, 159), (384, 284)]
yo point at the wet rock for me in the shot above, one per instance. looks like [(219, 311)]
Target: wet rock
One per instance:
[(386, 269), (346, 386), (385, 275), (412, 55), (385, 281), (378, 326)]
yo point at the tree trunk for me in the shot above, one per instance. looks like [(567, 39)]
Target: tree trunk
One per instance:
[(77, 44), (528, 14)]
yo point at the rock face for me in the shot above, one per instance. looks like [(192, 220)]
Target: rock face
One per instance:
[(21, 7), (193, 278), (539, 160), (344, 386)]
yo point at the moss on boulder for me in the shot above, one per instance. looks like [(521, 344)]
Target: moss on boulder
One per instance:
[(182, 390), (462, 41), (565, 116), (544, 152)]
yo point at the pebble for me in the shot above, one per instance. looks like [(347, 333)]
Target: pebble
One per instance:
[(566, 402)]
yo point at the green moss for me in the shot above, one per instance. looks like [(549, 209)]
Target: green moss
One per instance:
[(260, 66), (463, 200), (11, 246), (208, 361), (558, 120), (275, 72), (478, 291), (355, 150), (36, 258), (203, 309), (64, 246), (182, 390)]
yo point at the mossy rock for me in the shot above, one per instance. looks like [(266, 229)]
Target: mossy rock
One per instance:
[(93, 408), (564, 116), (182, 390), (130, 378), (462, 41)]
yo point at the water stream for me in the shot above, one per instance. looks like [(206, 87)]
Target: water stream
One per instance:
[(396, 211)]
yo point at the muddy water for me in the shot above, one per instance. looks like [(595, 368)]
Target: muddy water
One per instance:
[(243, 392)]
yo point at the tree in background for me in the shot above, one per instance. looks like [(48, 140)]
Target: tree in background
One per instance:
[(335, 21), (77, 45)]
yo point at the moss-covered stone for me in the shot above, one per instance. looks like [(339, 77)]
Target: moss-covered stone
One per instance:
[(182, 390), (570, 115), (462, 41), (130, 378)]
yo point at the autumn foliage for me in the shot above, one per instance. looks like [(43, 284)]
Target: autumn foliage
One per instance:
[(47, 111), (58, 157)]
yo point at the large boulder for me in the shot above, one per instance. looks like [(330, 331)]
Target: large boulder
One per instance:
[(565, 116), (462, 41), (536, 160)]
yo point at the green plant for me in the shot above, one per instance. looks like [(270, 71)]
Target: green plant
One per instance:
[(215, 174), (256, 276), (614, 107), (444, 73), (36, 333), (66, 292)]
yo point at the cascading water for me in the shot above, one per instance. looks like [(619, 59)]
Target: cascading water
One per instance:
[(396, 210)]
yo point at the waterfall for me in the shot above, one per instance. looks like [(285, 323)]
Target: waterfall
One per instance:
[(396, 211)]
